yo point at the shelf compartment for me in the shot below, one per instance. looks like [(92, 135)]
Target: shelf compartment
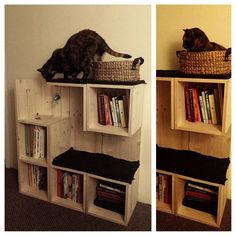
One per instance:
[(133, 111), (103, 212), (76, 198), (32, 141), (30, 180), (160, 203), (180, 121), (194, 214)]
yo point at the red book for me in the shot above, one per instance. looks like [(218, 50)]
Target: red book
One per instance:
[(197, 115), (59, 185), (107, 111), (187, 104), (199, 195), (80, 189)]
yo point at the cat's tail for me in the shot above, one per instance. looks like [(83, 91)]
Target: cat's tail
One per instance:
[(116, 54)]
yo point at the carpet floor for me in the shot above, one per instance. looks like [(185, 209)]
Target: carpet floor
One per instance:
[(23, 213), (169, 222)]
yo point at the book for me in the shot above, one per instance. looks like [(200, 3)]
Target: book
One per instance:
[(100, 117), (213, 109), (204, 106), (164, 188), (114, 119), (209, 207), (197, 115), (202, 187), (202, 109), (217, 106), (122, 112), (191, 105), (187, 104), (208, 107), (59, 183)]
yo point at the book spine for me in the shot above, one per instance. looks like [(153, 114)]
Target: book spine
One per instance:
[(208, 108), (122, 113), (99, 108), (191, 104), (117, 112), (204, 106), (110, 188), (187, 104), (195, 105), (217, 106), (202, 109), (212, 109)]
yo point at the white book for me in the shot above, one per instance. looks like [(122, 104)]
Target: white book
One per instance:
[(202, 109), (115, 110), (114, 118), (204, 105), (42, 142), (122, 113)]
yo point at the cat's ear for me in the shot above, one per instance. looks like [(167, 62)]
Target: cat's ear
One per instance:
[(41, 70)]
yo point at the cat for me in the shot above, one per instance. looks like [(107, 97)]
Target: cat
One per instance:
[(195, 40), (78, 55)]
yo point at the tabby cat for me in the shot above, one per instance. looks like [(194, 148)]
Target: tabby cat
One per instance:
[(195, 40), (78, 55)]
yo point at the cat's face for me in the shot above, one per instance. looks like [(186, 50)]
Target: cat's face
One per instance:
[(47, 71), (188, 39)]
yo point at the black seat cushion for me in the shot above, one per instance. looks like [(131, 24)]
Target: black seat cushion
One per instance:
[(98, 164), (192, 164)]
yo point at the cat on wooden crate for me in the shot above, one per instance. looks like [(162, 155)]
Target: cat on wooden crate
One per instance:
[(78, 55), (195, 40)]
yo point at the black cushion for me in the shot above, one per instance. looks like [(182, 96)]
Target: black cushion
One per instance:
[(192, 164), (98, 164)]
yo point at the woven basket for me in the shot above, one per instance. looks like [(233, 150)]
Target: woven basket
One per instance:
[(115, 71), (212, 62)]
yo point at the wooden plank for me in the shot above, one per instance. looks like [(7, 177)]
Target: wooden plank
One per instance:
[(226, 118), (165, 136), (59, 138), (212, 145), (21, 98), (136, 108)]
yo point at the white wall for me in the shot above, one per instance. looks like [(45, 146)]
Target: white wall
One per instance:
[(214, 20), (33, 32)]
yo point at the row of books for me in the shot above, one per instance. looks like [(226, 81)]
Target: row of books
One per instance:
[(204, 104), (70, 186), (112, 110), (163, 188), (35, 141), (110, 196), (37, 177), (201, 197)]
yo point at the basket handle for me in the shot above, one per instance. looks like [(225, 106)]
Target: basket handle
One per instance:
[(137, 62), (227, 53), (178, 52)]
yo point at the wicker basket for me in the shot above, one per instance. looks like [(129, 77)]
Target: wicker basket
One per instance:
[(115, 71), (212, 62)]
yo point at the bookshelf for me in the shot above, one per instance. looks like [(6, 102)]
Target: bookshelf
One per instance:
[(175, 131), (180, 121), (199, 215), (133, 96), (68, 122)]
